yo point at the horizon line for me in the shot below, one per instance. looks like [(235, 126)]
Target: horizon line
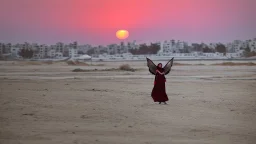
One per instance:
[(125, 41)]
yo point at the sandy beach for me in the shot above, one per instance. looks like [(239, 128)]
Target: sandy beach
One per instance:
[(50, 104)]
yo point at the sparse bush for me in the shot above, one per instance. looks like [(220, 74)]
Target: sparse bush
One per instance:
[(77, 63), (235, 64), (181, 64), (98, 65), (78, 70), (126, 67)]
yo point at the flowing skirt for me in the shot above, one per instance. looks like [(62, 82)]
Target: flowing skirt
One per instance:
[(158, 93)]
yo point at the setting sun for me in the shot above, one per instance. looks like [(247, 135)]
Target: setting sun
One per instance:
[(122, 34)]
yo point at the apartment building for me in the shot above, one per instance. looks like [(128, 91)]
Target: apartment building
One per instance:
[(73, 52), (252, 45), (15, 51), (169, 46), (43, 51), (59, 47), (112, 49), (84, 48)]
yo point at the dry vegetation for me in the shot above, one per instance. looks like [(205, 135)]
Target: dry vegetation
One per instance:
[(235, 64), (184, 64), (23, 63), (124, 67), (90, 70), (70, 63), (180, 64), (77, 63)]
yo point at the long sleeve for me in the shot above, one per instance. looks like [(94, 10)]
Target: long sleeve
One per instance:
[(155, 79)]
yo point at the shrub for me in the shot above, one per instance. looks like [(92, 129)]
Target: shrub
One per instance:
[(126, 67), (79, 70)]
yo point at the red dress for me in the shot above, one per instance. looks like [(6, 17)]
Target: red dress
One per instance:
[(158, 93)]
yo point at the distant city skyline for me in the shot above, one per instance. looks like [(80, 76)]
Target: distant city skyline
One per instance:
[(95, 22), (126, 42)]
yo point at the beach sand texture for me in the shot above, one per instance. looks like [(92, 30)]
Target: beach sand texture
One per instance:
[(208, 104)]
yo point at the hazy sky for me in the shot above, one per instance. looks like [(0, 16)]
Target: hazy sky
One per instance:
[(96, 21)]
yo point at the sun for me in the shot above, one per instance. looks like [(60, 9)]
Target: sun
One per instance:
[(122, 34)]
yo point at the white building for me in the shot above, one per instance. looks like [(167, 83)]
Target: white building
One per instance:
[(58, 55), (238, 45), (161, 47), (84, 48), (123, 48), (35, 47), (252, 45), (43, 51), (70, 50), (229, 47), (172, 46), (244, 44), (59, 47), (15, 51), (26, 45), (132, 45), (233, 55), (169, 46), (51, 53), (235, 46), (180, 45), (112, 49), (73, 52), (5, 48), (100, 50)]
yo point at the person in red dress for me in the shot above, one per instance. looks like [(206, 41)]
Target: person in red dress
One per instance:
[(158, 93)]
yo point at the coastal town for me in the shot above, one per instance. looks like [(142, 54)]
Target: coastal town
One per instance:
[(130, 50)]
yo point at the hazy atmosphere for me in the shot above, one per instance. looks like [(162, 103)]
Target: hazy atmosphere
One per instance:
[(96, 21), (127, 72)]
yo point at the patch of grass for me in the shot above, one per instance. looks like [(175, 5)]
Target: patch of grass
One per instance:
[(235, 64)]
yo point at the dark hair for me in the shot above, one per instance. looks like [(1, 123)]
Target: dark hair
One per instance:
[(159, 64)]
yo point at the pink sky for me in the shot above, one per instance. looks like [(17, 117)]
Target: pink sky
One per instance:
[(96, 21)]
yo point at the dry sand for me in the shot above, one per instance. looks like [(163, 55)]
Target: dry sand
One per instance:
[(50, 104)]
